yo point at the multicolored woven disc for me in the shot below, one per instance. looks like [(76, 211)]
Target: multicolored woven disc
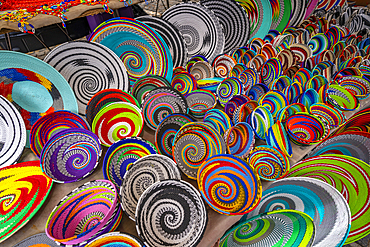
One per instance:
[(228, 89), (229, 185), (49, 125), (143, 173), (104, 98), (167, 129), (122, 154), (74, 221), (160, 103), (142, 50), (12, 133), (193, 144), (88, 67), (116, 239), (200, 28), (269, 163), (116, 121), (286, 228), (70, 155), (24, 189), (171, 213), (322, 202), (350, 176)]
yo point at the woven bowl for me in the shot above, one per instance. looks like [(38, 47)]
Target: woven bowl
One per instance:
[(200, 102), (83, 213)]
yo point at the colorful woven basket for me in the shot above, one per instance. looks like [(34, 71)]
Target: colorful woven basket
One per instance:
[(350, 176), (70, 155), (24, 189), (122, 154), (49, 125), (277, 228), (74, 221), (229, 185)]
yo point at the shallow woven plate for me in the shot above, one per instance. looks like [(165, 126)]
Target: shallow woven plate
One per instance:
[(88, 67), (12, 133), (200, 28), (142, 50), (62, 92), (234, 22), (24, 189), (350, 176)]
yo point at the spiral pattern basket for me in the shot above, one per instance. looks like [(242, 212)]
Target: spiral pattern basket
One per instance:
[(24, 189), (145, 84), (71, 155), (171, 35), (49, 125), (229, 185), (322, 202), (200, 28), (172, 213), (88, 67), (141, 49), (270, 163), (240, 140), (282, 228), (117, 121), (160, 103), (120, 156), (74, 221), (12, 133), (306, 129), (193, 144), (200, 102), (104, 98), (143, 173), (167, 129), (350, 176)]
